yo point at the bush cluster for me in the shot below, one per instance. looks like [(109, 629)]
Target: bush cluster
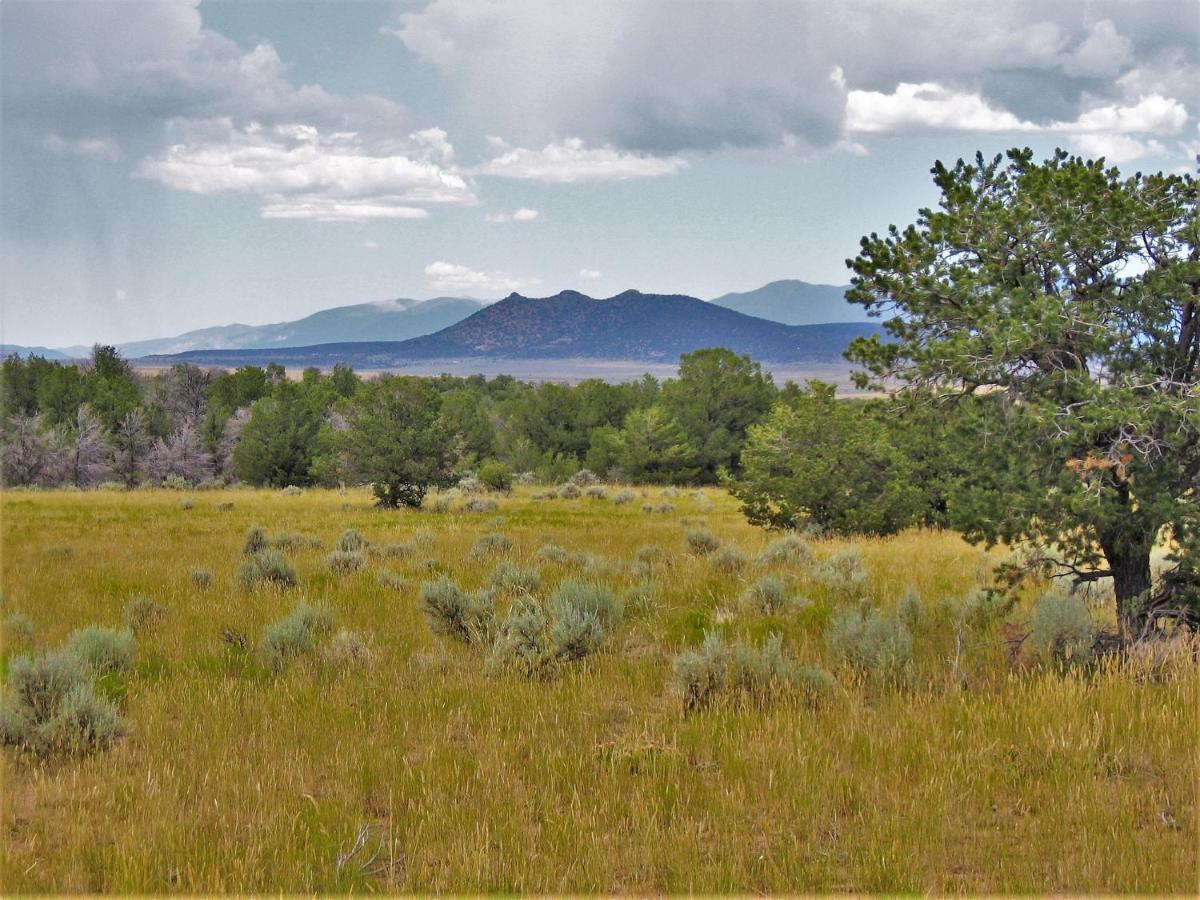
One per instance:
[(295, 634), (748, 674)]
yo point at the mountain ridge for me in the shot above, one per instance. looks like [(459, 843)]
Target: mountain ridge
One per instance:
[(794, 302), (652, 328)]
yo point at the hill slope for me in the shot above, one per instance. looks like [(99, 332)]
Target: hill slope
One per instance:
[(570, 325), (387, 320), (796, 303)]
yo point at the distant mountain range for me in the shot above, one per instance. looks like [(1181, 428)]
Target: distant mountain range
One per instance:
[(796, 303), (788, 302), (386, 320), (651, 328)]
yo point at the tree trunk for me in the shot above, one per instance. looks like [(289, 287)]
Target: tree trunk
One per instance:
[(1128, 559)]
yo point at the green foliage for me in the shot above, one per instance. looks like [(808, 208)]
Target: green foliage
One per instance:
[(838, 465), (768, 595), (397, 442), (844, 571), (729, 560), (1055, 303), (495, 475), (102, 650), (276, 446), (716, 398), (1061, 630), (268, 568), (490, 544), (454, 613)]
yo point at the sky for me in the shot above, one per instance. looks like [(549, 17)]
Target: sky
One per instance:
[(173, 165)]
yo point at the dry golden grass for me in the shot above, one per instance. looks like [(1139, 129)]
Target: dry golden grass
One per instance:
[(1000, 777)]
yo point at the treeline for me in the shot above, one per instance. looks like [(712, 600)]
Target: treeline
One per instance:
[(85, 424)]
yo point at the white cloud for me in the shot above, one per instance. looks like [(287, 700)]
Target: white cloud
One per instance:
[(524, 214), (1116, 147), (302, 173), (120, 295), (450, 278), (92, 148), (1102, 130), (590, 274), (570, 160), (370, 245), (640, 76), (926, 106)]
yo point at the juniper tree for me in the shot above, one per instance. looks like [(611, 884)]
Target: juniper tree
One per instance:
[(1065, 299)]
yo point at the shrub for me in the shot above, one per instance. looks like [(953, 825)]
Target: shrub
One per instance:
[(701, 541), (351, 541), (292, 491), (750, 674), (443, 503), (295, 635), (521, 640), (490, 544), (575, 633), (290, 541), (662, 508), (588, 597), (18, 629), (729, 560), (469, 484), (256, 541), (51, 705), (454, 613), (511, 577), (768, 595), (596, 492), (909, 609), (142, 614), (844, 571), (551, 553), (344, 562), (60, 551), (225, 506), (390, 551), (389, 579), (200, 577), (570, 491), (176, 483), (103, 650), (186, 503), (345, 650), (787, 550), (480, 505), (1061, 630), (584, 478), (640, 598), (671, 492), (268, 567), (496, 476), (650, 555), (871, 641), (623, 496)]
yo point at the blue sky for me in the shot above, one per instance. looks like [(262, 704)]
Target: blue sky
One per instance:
[(167, 166)]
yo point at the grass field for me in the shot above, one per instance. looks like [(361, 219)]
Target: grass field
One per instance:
[(977, 773)]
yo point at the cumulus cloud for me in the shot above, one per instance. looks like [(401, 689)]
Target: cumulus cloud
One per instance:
[(590, 274), (451, 278), (524, 214), (571, 160), (638, 76), (301, 173), (104, 148), (1103, 130)]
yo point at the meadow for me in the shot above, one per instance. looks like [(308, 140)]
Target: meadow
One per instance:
[(409, 762)]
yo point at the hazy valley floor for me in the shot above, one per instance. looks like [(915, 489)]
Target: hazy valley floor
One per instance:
[(987, 775)]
